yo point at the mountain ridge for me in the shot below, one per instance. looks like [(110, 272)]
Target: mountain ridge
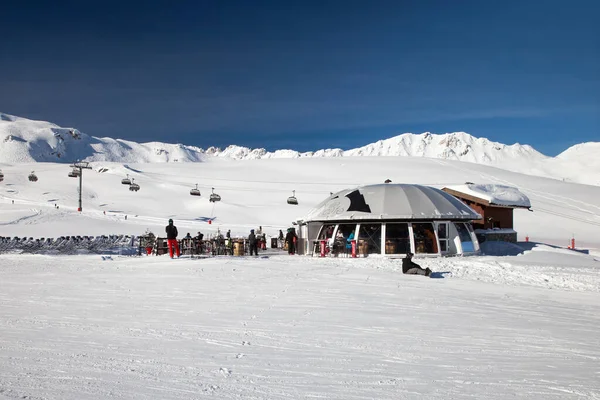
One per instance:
[(23, 140)]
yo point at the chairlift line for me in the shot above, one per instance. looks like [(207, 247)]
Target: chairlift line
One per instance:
[(196, 191), (214, 197), (74, 172), (292, 199), (134, 187)]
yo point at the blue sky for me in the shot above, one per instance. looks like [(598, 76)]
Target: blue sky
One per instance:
[(306, 74)]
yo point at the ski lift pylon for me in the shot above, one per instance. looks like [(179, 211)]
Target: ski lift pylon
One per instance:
[(196, 191), (292, 199), (32, 177), (214, 197), (126, 181)]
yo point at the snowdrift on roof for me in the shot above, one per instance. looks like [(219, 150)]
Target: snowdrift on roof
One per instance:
[(495, 194)]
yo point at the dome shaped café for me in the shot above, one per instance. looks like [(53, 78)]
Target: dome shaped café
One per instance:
[(390, 220)]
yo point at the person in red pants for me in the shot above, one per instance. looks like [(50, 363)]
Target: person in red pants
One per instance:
[(172, 238)]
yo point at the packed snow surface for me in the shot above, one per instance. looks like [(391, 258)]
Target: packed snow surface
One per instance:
[(294, 327), (494, 194)]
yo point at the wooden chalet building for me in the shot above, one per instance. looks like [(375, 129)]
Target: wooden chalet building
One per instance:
[(495, 203)]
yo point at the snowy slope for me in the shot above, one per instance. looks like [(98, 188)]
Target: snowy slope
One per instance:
[(254, 193), (520, 322)]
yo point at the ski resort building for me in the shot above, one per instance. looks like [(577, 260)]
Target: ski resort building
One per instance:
[(389, 220), (495, 204)]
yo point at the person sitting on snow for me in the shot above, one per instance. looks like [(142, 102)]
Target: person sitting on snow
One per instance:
[(411, 268)]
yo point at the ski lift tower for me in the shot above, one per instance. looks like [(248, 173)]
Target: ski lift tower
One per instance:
[(80, 166)]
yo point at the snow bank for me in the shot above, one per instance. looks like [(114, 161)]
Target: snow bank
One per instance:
[(498, 248)]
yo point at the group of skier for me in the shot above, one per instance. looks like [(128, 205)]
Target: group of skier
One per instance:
[(254, 238)]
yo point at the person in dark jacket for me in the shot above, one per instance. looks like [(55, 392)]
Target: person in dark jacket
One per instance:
[(280, 237), (199, 245), (253, 243), (411, 268), (172, 238), (291, 239)]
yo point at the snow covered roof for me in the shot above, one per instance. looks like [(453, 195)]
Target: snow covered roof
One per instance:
[(391, 201), (501, 195)]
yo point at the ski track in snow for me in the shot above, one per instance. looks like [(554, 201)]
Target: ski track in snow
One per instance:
[(563, 201), (25, 219), (295, 327), (538, 196)]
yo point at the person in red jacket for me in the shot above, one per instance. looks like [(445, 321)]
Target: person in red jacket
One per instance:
[(172, 238)]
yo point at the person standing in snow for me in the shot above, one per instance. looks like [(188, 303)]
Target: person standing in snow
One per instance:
[(291, 239), (411, 268), (253, 243), (199, 243), (172, 238)]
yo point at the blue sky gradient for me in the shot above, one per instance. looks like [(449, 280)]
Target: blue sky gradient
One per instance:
[(306, 74)]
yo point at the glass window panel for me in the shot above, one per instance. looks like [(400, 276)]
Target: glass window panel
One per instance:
[(397, 238), (369, 239), (345, 233), (424, 236), (465, 237), (443, 230), (326, 231), (443, 246)]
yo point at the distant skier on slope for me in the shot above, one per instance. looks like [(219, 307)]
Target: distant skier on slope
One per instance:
[(411, 268), (172, 238)]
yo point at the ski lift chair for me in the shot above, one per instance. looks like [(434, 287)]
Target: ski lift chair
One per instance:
[(195, 192), (214, 197), (134, 187), (1, 176), (126, 181), (32, 177), (74, 173), (292, 199)]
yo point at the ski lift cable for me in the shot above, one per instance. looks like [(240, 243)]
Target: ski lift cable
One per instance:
[(212, 211), (330, 183)]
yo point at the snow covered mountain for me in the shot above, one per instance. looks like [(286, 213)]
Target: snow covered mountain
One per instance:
[(26, 140), (23, 140)]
